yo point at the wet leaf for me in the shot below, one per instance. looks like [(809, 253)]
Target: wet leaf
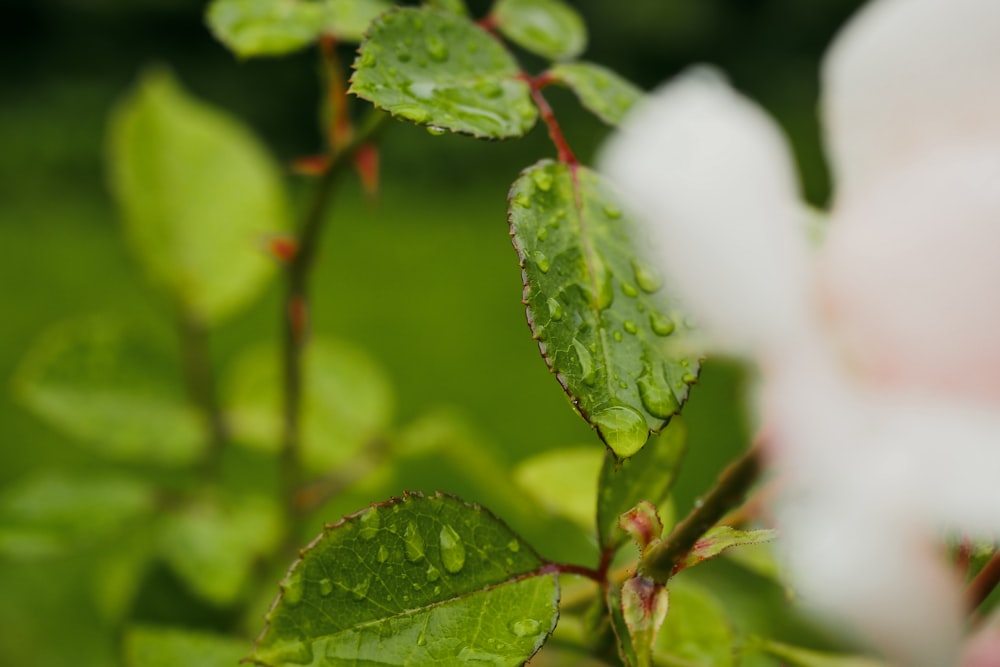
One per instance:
[(550, 28), (197, 193), (115, 390), (154, 646), (649, 475), (348, 401), (347, 20), (722, 538), (599, 89), (563, 481), (213, 545), (53, 512), (418, 581), (435, 68), (597, 309), (265, 27)]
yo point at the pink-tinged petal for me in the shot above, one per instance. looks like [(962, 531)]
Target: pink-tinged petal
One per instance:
[(911, 276), (710, 175), (905, 77)]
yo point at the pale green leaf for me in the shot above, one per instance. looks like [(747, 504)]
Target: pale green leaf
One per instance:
[(722, 538), (795, 656), (265, 27), (626, 649), (433, 67), (213, 545), (697, 629), (563, 482), (52, 512), (597, 309), (599, 89), (156, 646), (197, 192), (644, 608), (347, 401), (649, 475), (418, 581), (550, 28), (347, 20), (115, 390)]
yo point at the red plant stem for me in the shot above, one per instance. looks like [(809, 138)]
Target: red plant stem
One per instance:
[(983, 584), (579, 570), (564, 152)]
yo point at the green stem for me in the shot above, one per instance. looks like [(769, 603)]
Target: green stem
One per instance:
[(728, 492), (298, 273), (200, 381)]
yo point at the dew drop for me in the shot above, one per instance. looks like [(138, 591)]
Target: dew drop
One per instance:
[(367, 59), (522, 200), (599, 287), (452, 549), (436, 130), (617, 335), (542, 261), (292, 586), (648, 278), (360, 590), (414, 543), (630, 326), (404, 56), (412, 112), (436, 48), (612, 211), (623, 428), (325, 587), (555, 310), (655, 394), (542, 179), (476, 656), (437, 590), (629, 289), (661, 324), (370, 522), (587, 373), (525, 627), (421, 640), (383, 554), (689, 378), (543, 233), (514, 546), (490, 89)]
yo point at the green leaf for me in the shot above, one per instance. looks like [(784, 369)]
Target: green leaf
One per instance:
[(347, 401), (453, 6), (53, 512), (649, 475), (347, 20), (418, 581), (795, 656), (596, 307), (563, 481), (265, 27), (600, 90), (113, 389), (644, 609), (626, 649), (214, 545), (435, 68), (721, 538), (550, 28), (152, 646), (697, 629), (197, 192)]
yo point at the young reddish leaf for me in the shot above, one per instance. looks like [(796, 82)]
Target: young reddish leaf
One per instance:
[(597, 309), (721, 538), (417, 581), (642, 523), (644, 608)]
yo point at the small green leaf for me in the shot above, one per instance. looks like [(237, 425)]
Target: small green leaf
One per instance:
[(596, 307), (453, 6), (52, 512), (152, 646), (649, 475), (113, 389), (265, 27), (214, 545), (435, 68), (626, 649), (418, 581), (347, 401), (697, 629), (563, 481), (721, 538), (795, 656), (550, 28), (347, 20), (600, 90), (197, 192)]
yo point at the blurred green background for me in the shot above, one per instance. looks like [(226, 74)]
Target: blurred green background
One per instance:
[(425, 279)]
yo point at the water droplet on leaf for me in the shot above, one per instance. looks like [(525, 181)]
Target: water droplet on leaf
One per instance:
[(436, 48), (325, 587), (629, 289), (586, 362), (370, 522), (542, 179), (655, 394), (555, 310), (293, 587), (383, 554), (360, 590), (435, 130), (514, 546), (542, 261), (525, 627), (630, 326), (648, 278), (622, 428), (661, 324), (452, 549), (414, 543)]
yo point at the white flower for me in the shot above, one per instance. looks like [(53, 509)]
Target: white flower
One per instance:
[(880, 351)]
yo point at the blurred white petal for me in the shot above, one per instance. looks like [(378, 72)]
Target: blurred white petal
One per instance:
[(906, 77), (711, 176), (911, 275)]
